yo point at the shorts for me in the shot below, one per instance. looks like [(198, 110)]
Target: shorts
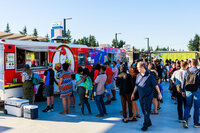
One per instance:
[(49, 90), (108, 89), (113, 85)]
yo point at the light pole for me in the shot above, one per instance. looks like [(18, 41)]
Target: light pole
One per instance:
[(148, 49), (116, 39), (64, 25)]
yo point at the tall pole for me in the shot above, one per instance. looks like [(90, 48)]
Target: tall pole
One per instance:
[(148, 51), (64, 27), (116, 40)]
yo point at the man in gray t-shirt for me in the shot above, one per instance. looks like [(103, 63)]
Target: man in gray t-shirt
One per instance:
[(99, 93), (100, 80)]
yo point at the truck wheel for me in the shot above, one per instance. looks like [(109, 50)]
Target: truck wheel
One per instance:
[(5, 111)]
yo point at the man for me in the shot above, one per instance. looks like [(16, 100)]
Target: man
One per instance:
[(192, 95), (177, 79), (99, 92), (49, 87), (145, 82), (109, 74), (113, 84)]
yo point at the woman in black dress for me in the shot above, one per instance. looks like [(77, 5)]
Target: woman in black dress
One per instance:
[(133, 72), (152, 68)]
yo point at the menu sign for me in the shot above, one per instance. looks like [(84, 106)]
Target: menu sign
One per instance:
[(10, 61)]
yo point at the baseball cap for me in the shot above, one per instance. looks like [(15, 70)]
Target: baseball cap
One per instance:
[(50, 64)]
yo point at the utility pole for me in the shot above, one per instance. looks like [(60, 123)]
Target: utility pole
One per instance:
[(64, 26)]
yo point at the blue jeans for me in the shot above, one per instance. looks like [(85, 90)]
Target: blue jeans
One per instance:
[(100, 104), (146, 103), (190, 97)]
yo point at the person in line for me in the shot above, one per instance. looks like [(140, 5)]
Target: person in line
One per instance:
[(48, 81), (177, 79), (145, 82), (72, 97), (133, 72), (82, 91), (99, 92), (113, 84), (109, 74), (152, 69), (65, 88), (192, 94), (28, 87), (125, 93), (161, 91)]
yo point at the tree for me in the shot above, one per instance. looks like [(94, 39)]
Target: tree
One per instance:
[(121, 43), (142, 50), (194, 44), (35, 33), (92, 41), (134, 48), (118, 44), (68, 36), (114, 44), (7, 28), (24, 31), (74, 42), (47, 38), (150, 48)]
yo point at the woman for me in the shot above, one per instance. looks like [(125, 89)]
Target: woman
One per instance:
[(81, 90), (28, 88), (125, 93), (133, 72), (152, 68), (65, 88)]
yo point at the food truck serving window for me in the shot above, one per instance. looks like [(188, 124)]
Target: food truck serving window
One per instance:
[(35, 59), (81, 59)]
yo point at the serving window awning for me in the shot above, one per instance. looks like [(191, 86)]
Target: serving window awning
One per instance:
[(38, 49)]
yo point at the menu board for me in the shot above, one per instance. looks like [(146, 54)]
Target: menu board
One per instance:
[(10, 61)]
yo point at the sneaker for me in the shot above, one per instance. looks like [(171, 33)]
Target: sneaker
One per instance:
[(149, 125), (52, 110), (185, 124), (144, 128), (197, 125), (107, 102), (105, 113), (181, 121), (99, 116), (47, 110)]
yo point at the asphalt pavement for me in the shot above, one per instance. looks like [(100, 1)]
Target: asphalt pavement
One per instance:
[(53, 122)]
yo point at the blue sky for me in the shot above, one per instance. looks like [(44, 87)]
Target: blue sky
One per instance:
[(166, 22)]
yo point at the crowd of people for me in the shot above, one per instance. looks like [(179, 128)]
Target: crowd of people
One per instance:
[(141, 81)]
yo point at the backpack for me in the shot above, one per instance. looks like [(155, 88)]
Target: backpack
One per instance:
[(191, 83), (88, 83), (36, 79)]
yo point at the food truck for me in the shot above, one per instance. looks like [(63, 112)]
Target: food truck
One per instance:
[(14, 54)]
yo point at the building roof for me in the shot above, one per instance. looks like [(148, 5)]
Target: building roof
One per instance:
[(14, 36)]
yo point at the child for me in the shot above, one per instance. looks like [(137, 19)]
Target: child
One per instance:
[(161, 91), (72, 97)]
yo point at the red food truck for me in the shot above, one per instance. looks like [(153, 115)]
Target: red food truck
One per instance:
[(14, 54)]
